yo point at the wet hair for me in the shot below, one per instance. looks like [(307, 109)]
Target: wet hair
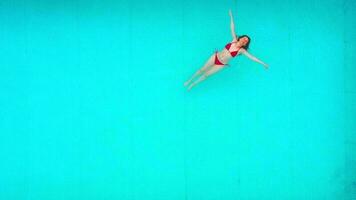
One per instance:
[(248, 43)]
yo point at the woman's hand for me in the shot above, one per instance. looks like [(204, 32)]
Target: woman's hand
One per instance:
[(230, 13), (266, 65)]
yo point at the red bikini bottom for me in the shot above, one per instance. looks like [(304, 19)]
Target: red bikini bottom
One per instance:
[(217, 61)]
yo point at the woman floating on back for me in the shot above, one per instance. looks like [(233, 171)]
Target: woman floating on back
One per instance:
[(217, 61)]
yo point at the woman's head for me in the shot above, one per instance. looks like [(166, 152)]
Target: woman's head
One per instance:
[(244, 41)]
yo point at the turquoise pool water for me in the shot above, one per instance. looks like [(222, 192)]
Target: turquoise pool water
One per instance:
[(93, 104)]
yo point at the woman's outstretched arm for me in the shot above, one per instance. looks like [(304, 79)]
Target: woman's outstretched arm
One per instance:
[(250, 56), (232, 26)]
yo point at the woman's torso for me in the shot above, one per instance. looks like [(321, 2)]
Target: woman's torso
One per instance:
[(230, 51)]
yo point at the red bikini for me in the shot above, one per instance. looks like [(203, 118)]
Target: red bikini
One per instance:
[(217, 61), (232, 53)]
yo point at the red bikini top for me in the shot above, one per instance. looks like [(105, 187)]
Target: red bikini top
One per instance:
[(232, 53)]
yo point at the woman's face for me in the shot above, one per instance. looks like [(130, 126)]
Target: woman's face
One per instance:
[(243, 41)]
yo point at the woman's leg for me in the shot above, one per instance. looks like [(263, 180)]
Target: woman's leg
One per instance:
[(208, 73), (205, 68)]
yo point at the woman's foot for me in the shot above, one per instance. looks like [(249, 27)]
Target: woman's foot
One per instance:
[(190, 87), (186, 83)]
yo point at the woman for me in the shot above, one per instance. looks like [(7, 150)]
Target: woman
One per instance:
[(219, 60)]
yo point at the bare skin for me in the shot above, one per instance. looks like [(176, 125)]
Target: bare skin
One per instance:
[(209, 68)]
